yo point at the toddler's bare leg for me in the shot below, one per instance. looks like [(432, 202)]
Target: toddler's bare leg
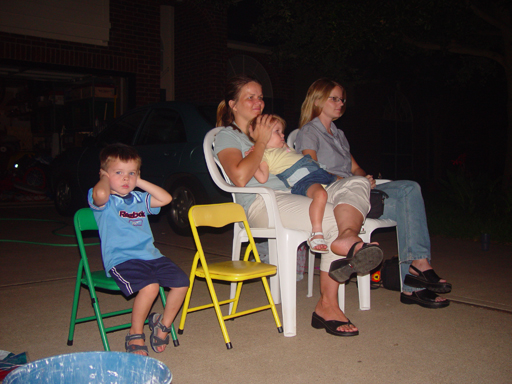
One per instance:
[(317, 210)]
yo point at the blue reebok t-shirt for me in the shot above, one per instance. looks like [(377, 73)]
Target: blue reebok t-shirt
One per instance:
[(124, 228)]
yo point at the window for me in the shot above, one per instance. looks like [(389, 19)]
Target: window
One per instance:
[(123, 130), (164, 126)]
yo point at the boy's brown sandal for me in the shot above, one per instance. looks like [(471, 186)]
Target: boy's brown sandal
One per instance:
[(154, 323), (132, 348)]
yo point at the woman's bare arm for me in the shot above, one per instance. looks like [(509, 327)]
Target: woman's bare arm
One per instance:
[(311, 153), (239, 169), (358, 171), (242, 169)]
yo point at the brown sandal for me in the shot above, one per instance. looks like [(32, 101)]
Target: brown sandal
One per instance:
[(154, 323), (132, 348)]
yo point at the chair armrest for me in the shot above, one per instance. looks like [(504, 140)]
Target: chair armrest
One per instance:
[(221, 180), (266, 193), (269, 197)]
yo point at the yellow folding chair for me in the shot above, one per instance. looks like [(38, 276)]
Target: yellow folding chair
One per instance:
[(84, 221), (238, 271)]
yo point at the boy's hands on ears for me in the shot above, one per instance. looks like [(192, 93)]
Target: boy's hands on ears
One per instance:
[(103, 173), (139, 181)]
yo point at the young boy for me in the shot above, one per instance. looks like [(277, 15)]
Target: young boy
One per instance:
[(127, 248), (300, 173)]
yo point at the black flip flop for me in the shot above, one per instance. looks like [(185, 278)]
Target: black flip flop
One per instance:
[(427, 279), (331, 326), (365, 260), (424, 298)]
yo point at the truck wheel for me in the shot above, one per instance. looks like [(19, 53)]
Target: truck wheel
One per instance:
[(184, 195), (64, 197)]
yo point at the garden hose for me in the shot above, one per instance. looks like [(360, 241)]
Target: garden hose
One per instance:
[(54, 232)]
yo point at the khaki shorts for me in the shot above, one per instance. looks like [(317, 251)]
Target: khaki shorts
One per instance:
[(294, 210)]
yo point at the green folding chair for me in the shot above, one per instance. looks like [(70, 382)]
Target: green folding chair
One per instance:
[(84, 221)]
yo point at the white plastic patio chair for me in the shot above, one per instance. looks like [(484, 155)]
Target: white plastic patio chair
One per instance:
[(370, 225), (283, 242)]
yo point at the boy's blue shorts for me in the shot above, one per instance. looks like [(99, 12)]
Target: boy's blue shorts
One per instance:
[(133, 275)]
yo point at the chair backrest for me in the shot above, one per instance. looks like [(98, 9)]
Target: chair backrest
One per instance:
[(292, 137), (84, 220), (214, 166), (216, 215), (215, 169)]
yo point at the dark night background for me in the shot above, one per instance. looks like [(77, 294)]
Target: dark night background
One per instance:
[(429, 115), (457, 105), (416, 108)]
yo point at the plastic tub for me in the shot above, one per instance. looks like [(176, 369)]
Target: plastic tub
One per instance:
[(94, 368)]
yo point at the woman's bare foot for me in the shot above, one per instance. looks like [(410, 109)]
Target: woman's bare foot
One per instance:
[(361, 259), (342, 245), (438, 298), (423, 265), (329, 312)]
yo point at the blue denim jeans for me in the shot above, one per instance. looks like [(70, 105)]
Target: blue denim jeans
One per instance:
[(303, 174), (320, 176), (405, 205), (301, 168)]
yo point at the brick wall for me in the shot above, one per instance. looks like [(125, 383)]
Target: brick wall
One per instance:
[(200, 51), (201, 57), (134, 48)]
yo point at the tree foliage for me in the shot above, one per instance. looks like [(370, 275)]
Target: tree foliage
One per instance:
[(343, 38), (326, 30)]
